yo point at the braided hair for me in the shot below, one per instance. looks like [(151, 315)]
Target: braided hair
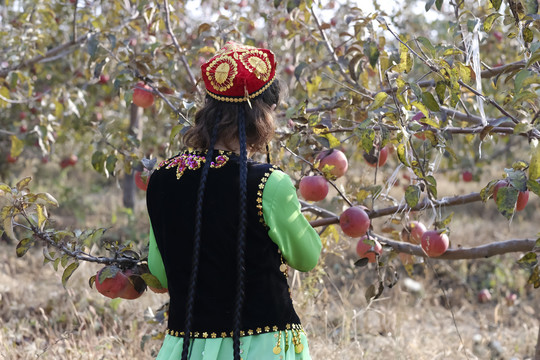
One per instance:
[(197, 242), (254, 127)]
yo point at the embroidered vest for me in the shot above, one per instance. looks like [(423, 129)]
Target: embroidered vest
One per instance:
[(171, 199)]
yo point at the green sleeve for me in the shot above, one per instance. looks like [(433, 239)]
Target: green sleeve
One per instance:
[(155, 262), (299, 243)]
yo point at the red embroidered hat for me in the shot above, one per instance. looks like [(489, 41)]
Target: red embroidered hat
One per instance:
[(238, 72)]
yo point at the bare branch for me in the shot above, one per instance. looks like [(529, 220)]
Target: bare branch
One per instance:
[(192, 79), (53, 52)]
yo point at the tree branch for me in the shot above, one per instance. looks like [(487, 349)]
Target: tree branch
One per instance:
[(183, 59), (53, 52)]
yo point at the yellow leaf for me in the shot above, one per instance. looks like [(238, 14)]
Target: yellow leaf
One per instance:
[(380, 98), (421, 107), (4, 93), (17, 146), (8, 228), (42, 215), (534, 166)]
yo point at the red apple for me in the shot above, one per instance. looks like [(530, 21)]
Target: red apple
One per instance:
[(334, 158), (354, 221), (10, 159), (498, 35), (111, 281), (22, 115), (313, 188), (523, 198), (367, 250), (140, 182), (103, 79), (417, 230), (142, 95), (134, 287), (44, 159), (372, 160), (434, 243), (289, 69), (484, 296), (467, 176)]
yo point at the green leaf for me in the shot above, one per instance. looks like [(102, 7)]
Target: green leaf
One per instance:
[(432, 184), (430, 102), (438, 4), (17, 146), (151, 280), (110, 164), (528, 260), (528, 35), (68, 272), (47, 198), (506, 200), (496, 4), (412, 195), (534, 279), (175, 131), (5, 188), (533, 186), (426, 43), (92, 45), (8, 227), (24, 245), (107, 272), (429, 4), (372, 51), (42, 215), (421, 107), (488, 23), (379, 100), (98, 161)]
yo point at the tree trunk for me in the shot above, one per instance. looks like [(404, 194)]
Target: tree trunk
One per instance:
[(135, 129)]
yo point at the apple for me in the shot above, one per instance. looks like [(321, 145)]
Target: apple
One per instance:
[(140, 182), (22, 115), (289, 69), (10, 159), (498, 35), (372, 160), (44, 159), (416, 230), (23, 128), (366, 250), (313, 188), (484, 296), (523, 196), (334, 158), (434, 243), (142, 95), (103, 79), (134, 287), (354, 221), (71, 160), (111, 281), (467, 176)]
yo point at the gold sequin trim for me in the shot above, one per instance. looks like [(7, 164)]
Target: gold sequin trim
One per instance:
[(193, 160), (294, 327), (259, 199), (241, 99)]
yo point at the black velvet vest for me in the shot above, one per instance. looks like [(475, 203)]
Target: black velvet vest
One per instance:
[(171, 199)]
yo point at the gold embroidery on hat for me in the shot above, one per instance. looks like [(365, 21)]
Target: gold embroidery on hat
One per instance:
[(221, 72), (257, 62)]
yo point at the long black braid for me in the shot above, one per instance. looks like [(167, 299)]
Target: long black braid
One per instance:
[(241, 242), (197, 241)]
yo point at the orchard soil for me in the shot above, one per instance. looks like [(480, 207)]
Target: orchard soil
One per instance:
[(39, 319)]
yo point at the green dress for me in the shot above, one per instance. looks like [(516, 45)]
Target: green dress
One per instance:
[(300, 248)]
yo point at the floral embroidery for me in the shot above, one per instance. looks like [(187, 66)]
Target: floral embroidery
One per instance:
[(193, 160), (259, 200)]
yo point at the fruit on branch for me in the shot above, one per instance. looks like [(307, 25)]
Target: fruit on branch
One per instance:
[(313, 188), (523, 196), (140, 181), (111, 281), (484, 296), (23, 128), (142, 95), (354, 221), (22, 115), (414, 232), (467, 176), (371, 159), (104, 79), (71, 160), (365, 249), (435, 243), (335, 159)]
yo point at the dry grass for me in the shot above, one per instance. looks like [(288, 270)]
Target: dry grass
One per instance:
[(39, 319)]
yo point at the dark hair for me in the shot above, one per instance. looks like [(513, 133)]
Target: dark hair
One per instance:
[(259, 120)]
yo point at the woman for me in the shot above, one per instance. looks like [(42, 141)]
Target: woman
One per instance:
[(224, 228)]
